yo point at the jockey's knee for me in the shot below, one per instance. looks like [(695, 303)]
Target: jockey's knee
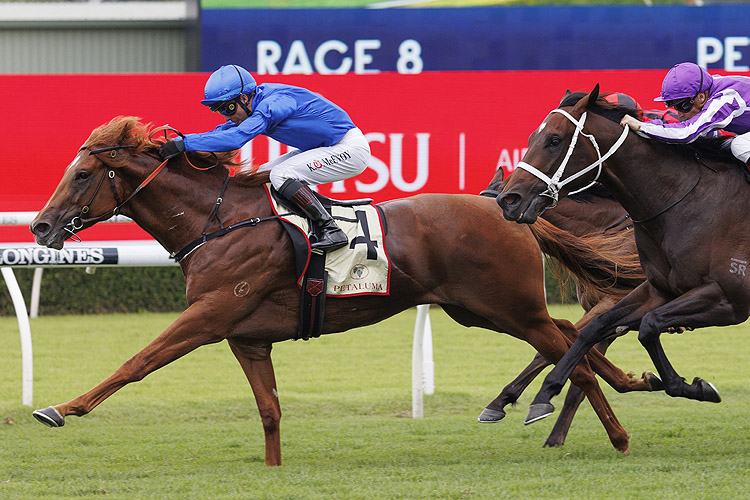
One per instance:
[(279, 176), (741, 147)]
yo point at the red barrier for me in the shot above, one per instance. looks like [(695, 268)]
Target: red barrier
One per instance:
[(431, 132)]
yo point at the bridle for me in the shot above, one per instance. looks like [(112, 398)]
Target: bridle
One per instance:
[(554, 183), (78, 222)]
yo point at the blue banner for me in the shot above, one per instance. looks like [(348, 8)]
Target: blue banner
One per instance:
[(337, 41)]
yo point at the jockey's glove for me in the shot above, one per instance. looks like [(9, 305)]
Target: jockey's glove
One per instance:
[(170, 149)]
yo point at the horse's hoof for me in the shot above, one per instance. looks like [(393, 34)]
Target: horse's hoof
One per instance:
[(490, 416), (49, 417), (554, 442), (654, 382), (538, 412), (708, 391)]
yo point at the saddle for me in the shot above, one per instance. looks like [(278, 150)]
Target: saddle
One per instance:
[(360, 268)]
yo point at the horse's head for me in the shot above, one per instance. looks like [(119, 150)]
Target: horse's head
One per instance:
[(89, 191), (562, 158)]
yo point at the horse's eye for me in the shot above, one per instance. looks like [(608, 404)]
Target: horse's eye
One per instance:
[(82, 175), (555, 141)]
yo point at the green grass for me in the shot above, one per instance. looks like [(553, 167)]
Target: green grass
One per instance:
[(191, 430)]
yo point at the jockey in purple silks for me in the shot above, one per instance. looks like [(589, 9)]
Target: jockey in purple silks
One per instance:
[(706, 106), (328, 146)]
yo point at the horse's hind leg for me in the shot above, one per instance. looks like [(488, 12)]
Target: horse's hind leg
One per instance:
[(494, 412), (258, 368)]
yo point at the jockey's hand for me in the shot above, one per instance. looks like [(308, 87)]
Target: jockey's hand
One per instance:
[(631, 122), (170, 149)]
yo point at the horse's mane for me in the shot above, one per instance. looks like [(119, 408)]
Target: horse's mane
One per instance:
[(601, 107), (130, 131), (709, 148)]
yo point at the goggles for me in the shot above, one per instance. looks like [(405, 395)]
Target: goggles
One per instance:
[(682, 105), (227, 108)]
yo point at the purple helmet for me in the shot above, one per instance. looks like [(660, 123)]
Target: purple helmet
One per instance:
[(684, 80)]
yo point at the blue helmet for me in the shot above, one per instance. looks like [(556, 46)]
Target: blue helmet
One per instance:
[(226, 83)]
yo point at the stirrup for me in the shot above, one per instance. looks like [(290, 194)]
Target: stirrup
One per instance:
[(328, 237)]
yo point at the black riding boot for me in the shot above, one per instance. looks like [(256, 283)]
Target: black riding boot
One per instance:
[(326, 235)]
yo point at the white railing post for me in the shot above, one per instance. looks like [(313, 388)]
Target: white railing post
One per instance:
[(25, 329), (36, 289), (422, 367)]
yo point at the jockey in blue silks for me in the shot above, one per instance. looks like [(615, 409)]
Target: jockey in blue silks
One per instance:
[(329, 147), (706, 106)]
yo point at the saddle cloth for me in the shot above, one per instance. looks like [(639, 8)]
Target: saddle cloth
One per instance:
[(360, 268)]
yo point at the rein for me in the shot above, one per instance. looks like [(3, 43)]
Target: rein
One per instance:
[(554, 183)]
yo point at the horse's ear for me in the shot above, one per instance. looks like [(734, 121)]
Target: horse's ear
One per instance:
[(594, 95), (567, 93)]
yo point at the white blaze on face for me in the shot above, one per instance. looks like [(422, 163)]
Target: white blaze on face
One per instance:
[(75, 161), (541, 127)]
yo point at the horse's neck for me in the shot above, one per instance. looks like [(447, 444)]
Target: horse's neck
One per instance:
[(642, 175), (180, 204), (586, 217)]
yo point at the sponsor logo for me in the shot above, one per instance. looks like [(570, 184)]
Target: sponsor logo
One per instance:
[(32, 256), (359, 272), (329, 160)]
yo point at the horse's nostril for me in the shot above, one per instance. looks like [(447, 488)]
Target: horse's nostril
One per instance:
[(507, 200), (40, 229)]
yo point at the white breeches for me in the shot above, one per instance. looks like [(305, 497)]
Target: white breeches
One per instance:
[(347, 158), (741, 147)]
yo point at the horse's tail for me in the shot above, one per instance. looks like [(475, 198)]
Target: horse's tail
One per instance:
[(598, 262)]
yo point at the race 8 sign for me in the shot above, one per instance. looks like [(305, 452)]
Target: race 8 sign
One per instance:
[(335, 57)]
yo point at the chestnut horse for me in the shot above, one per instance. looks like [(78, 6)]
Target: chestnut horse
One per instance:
[(592, 211), (689, 207), (439, 254)]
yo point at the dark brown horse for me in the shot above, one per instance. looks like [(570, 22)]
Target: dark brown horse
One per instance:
[(592, 211), (689, 209), (439, 254)]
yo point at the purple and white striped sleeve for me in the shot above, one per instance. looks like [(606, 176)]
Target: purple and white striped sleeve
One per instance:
[(718, 112)]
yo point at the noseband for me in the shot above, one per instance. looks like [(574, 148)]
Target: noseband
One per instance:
[(554, 183)]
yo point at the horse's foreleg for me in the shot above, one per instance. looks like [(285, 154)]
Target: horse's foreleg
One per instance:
[(192, 329), (584, 378), (703, 306), (258, 368), (627, 313), (573, 400), (613, 375), (494, 412)]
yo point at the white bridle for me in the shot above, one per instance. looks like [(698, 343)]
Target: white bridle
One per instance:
[(554, 184)]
